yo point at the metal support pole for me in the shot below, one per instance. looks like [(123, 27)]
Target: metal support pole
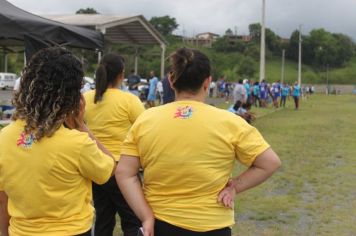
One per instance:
[(5, 62), (327, 79), (136, 61), (300, 57), (163, 47), (283, 59), (262, 59), (99, 57)]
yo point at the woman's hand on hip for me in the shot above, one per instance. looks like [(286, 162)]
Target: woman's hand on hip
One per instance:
[(227, 195)]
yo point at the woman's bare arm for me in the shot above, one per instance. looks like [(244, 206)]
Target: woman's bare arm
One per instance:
[(4, 215), (130, 186), (262, 168)]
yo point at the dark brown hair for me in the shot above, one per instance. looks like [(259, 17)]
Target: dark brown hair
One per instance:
[(190, 69), (110, 66), (49, 91)]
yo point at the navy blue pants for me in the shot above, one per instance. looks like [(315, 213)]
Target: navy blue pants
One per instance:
[(108, 201)]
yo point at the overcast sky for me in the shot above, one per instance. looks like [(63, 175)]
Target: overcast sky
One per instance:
[(196, 16)]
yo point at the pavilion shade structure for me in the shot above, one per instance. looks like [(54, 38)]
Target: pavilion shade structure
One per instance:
[(135, 30), (130, 33), (132, 30)]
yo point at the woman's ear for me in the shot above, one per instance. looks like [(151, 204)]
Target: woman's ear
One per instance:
[(206, 83), (170, 80), (120, 77)]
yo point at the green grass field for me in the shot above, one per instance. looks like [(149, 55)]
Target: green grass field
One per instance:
[(314, 193)]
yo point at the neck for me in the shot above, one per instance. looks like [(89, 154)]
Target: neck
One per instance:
[(199, 97), (115, 85)]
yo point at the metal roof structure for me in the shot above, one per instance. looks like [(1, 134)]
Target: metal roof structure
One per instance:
[(117, 29), (134, 30)]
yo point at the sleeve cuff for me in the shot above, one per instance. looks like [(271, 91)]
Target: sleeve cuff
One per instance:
[(107, 176), (130, 152), (259, 151)]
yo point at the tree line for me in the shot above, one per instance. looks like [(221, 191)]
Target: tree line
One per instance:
[(320, 48)]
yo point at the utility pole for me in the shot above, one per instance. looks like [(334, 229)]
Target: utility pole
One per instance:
[(24, 59), (300, 57), (5, 62), (283, 59), (327, 79), (136, 60), (263, 43)]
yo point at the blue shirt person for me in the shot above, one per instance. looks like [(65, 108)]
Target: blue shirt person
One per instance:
[(151, 98), (296, 90), (285, 91), (296, 94)]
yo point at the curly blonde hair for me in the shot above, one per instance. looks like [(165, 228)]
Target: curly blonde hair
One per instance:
[(49, 91)]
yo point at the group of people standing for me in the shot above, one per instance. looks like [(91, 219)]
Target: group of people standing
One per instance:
[(260, 94), (277, 93), (156, 89), (65, 150)]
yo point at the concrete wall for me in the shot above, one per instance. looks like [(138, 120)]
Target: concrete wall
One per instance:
[(342, 89)]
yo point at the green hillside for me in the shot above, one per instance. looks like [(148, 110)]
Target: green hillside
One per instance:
[(222, 63), (228, 64), (345, 75)]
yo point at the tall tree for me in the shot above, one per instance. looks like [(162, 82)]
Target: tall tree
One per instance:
[(255, 31), (292, 51), (273, 41), (229, 32), (324, 46), (247, 68), (164, 24), (345, 49), (88, 10)]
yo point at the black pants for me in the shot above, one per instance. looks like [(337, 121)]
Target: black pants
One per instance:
[(164, 229), (296, 101), (255, 99), (283, 101), (108, 201)]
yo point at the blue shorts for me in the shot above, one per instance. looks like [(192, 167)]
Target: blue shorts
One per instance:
[(263, 95), (151, 97)]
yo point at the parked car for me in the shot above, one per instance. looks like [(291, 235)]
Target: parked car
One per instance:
[(142, 88), (7, 80), (90, 82)]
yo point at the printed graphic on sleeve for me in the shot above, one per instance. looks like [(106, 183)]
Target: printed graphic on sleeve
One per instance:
[(26, 140), (184, 112)]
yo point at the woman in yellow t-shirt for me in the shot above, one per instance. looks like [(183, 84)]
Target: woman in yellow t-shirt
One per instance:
[(48, 158), (109, 114), (187, 150)]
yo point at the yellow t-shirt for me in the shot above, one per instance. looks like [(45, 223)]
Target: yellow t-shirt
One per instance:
[(111, 118), (187, 150), (48, 182)]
